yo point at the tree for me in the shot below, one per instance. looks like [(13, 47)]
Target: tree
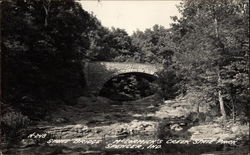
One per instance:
[(153, 46), (213, 53), (110, 45), (45, 42), (121, 44)]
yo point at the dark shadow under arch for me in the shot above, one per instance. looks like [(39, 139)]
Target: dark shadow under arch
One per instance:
[(129, 86)]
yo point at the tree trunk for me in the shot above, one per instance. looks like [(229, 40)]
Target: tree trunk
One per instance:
[(46, 16), (233, 108), (222, 108), (220, 98), (46, 10), (221, 102), (216, 28)]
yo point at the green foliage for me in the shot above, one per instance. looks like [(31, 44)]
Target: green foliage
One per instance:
[(44, 43), (170, 84), (213, 54), (110, 45), (153, 46)]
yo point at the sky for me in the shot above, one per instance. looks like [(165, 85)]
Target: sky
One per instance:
[(132, 15)]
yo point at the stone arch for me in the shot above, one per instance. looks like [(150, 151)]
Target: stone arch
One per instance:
[(98, 73), (146, 75)]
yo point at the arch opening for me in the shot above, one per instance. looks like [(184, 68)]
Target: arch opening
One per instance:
[(129, 86)]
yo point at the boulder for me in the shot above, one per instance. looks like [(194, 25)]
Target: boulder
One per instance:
[(103, 100), (240, 129), (235, 129), (27, 142), (170, 102), (60, 120), (216, 130), (84, 100), (176, 127)]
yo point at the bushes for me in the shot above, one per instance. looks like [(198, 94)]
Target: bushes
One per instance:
[(12, 123), (169, 83)]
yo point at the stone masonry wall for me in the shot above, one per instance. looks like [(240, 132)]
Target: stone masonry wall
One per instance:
[(98, 73)]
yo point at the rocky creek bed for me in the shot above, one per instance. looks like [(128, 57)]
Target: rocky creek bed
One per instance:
[(147, 126)]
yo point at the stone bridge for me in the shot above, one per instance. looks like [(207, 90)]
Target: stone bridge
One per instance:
[(98, 73)]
